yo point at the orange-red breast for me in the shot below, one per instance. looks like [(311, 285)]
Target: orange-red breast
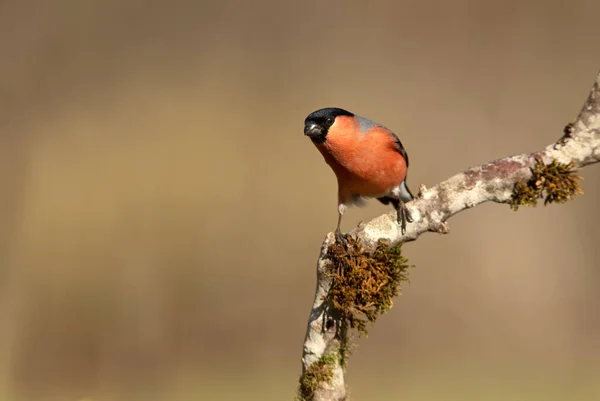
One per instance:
[(368, 160)]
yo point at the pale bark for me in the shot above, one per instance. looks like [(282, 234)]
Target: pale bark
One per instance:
[(493, 181)]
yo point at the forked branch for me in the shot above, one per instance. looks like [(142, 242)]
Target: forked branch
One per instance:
[(515, 180)]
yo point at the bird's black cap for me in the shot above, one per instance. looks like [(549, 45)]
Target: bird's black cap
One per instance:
[(328, 112), (317, 124)]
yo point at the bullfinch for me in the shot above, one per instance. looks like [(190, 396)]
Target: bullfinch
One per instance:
[(368, 160)]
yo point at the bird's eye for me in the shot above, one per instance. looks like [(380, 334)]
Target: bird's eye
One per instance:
[(329, 120)]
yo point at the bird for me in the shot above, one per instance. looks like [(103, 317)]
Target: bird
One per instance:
[(368, 159)]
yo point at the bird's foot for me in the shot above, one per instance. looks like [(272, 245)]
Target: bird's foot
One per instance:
[(341, 238), (407, 214), (403, 217)]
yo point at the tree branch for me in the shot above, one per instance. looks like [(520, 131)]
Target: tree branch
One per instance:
[(494, 181)]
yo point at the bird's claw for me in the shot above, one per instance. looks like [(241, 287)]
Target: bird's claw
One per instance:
[(403, 217), (341, 238), (407, 214)]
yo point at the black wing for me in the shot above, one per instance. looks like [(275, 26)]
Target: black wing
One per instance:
[(399, 147)]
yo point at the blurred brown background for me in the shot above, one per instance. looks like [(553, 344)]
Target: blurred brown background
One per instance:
[(161, 210)]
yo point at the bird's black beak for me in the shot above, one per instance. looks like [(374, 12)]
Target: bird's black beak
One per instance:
[(312, 130)]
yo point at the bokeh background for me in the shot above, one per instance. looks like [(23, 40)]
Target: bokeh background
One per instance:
[(161, 211)]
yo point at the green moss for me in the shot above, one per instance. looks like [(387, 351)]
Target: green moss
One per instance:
[(364, 282), (315, 375), (556, 182), (344, 345)]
